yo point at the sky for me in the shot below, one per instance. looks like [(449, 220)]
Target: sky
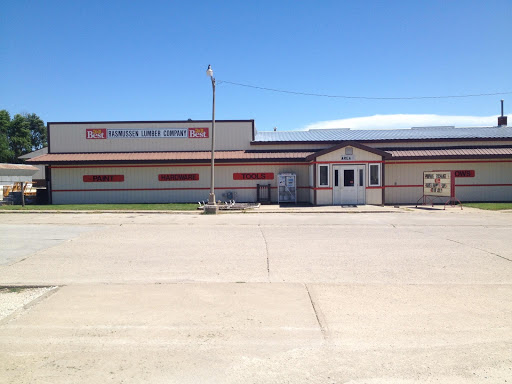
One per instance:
[(147, 60)]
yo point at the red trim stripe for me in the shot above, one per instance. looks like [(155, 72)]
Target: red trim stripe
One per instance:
[(157, 189), (457, 185), (164, 165), (349, 162), (269, 164), (403, 186), (483, 185)]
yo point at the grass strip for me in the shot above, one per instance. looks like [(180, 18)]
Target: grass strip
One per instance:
[(489, 206), (102, 207)]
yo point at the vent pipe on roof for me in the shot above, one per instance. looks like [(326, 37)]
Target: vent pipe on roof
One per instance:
[(502, 120)]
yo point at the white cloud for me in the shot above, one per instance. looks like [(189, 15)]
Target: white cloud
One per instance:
[(405, 121)]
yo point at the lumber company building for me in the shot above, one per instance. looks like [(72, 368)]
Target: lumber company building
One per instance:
[(169, 161)]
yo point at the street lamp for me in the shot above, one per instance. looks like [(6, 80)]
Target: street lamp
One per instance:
[(212, 206)]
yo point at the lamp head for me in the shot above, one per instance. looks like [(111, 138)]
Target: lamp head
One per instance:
[(209, 71)]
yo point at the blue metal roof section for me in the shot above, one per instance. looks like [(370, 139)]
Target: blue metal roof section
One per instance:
[(416, 133)]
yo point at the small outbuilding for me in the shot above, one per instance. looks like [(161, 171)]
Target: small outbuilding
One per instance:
[(15, 174)]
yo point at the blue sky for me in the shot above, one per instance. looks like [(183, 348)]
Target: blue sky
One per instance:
[(146, 60)]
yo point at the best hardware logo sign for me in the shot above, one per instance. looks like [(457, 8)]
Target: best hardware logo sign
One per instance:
[(198, 133), (96, 133)]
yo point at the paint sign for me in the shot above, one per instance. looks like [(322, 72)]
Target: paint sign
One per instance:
[(179, 177), (467, 173), (253, 176), (347, 157), (437, 183), (103, 178), (156, 133)]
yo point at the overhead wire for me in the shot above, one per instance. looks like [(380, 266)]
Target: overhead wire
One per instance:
[(362, 97)]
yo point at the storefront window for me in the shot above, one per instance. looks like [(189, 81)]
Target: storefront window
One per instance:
[(374, 175), (324, 175)]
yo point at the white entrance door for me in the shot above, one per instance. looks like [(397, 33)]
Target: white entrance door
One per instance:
[(349, 185)]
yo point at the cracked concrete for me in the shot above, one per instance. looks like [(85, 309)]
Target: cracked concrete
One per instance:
[(408, 297)]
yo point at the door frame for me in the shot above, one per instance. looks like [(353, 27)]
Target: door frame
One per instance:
[(337, 191)]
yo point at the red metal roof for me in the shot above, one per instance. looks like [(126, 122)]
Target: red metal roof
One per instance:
[(451, 152), (202, 156)]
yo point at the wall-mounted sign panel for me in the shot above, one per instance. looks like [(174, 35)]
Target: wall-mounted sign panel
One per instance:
[(347, 157), (179, 177), (467, 173), (253, 176), (103, 178), (437, 183), (158, 133)]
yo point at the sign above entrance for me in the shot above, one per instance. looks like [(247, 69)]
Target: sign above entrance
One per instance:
[(347, 157), (157, 133), (437, 183)]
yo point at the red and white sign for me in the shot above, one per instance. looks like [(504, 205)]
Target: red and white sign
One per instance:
[(198, 133), (150, 133), (467, 173), (96, 133), (179, 177), (253, 176), (103, 178)]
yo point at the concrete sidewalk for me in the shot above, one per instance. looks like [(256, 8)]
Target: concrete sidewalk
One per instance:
[(261, 333), (267, 208)]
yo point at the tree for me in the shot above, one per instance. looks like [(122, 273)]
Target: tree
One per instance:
[(20, 138), (37, 131), (21, 135), (6, 153)]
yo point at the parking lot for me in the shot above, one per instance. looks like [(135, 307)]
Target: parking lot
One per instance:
[(405, 297)]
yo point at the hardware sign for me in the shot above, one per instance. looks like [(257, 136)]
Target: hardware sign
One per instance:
[(178, 177)]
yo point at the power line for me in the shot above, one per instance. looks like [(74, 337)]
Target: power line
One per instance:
[(363, 97)]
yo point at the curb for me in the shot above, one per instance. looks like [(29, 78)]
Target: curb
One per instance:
[(190, 212)]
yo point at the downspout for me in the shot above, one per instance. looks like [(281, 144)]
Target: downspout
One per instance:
[(383, 182), (314, 181)]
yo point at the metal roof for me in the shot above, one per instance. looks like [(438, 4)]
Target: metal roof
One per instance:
[(38, 152), (198, 156), (451, 152), (7, 169), (347, 134)]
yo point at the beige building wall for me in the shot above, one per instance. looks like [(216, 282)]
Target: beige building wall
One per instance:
[(141, 184), (293, 147), (374, 196), (72, 138), (492, 181)]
